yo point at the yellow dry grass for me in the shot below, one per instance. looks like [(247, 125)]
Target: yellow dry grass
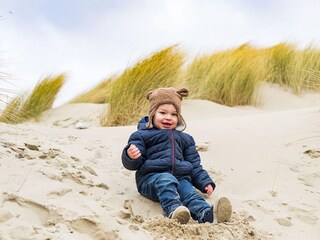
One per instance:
[(229, 77), (294, 69), (306, 71), (127, 102), (42, 97)]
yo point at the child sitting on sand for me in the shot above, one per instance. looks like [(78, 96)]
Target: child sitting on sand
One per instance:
[(167, 164)]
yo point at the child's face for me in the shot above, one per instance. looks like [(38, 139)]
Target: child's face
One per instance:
[(166, 117)]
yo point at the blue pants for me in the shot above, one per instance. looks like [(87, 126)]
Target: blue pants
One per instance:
[(171, 193)]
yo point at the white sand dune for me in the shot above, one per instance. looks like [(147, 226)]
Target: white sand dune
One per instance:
[(59, 182)]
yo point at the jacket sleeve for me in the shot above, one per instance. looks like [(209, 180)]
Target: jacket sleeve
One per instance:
[(199, 176), (133, 164)]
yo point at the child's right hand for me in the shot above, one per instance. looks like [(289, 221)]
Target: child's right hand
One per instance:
[(133, 152), (209, 189)]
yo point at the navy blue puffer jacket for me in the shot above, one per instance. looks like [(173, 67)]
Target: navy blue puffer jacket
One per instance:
[(164, 150)]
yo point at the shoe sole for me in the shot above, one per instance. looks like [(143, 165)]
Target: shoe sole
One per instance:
[(224, 210), (182, 215)]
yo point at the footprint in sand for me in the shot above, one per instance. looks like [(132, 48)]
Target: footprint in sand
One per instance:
[(92, 228), (84, 225), (310, 179), (5, 215), (304, 215), (28, 209), (296, 169), (286, 222), (257, 206)]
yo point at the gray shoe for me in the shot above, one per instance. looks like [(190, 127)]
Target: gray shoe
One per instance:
[(182, 214), (224, 210)]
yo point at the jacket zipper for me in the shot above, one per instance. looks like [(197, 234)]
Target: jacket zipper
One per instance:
[(172, 153)]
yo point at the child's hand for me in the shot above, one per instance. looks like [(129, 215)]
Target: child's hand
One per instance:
[(209, 189), (133, 152)]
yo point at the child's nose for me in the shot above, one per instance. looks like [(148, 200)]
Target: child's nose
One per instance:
[(168, 116)]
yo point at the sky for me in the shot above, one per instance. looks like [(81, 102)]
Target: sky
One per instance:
[(91, 40)]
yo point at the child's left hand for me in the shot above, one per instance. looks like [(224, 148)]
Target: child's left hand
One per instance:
[(209, 189)]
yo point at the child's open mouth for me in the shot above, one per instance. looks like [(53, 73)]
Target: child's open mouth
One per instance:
[(166, 125)]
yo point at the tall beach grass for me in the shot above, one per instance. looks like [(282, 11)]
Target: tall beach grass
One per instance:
[(281, 62), (306, 72), (229, 77), (11, 112), (127, 101), (294, 69), (42, 97)]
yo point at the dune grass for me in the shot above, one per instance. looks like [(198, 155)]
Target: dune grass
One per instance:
[(10, 114), (229, 77), (232, 77), (127, 101), (42, 97), (99, 94), (281, 61), (306, 72), (294, 69)]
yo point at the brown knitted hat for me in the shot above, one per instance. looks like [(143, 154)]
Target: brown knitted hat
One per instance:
[(169, 95)]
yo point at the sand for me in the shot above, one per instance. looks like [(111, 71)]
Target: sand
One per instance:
[(60, 182)]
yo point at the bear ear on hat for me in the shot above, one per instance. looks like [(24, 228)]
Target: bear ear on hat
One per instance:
[(183, 92), (148, 94)]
